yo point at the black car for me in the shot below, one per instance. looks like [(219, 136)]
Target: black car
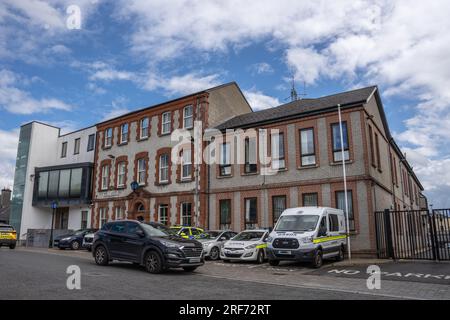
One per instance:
[(72, 240), (142, 244)]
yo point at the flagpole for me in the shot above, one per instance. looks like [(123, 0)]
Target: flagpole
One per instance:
[(345, 183)]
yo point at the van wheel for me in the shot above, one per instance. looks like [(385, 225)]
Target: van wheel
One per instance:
[(260, 257), (317, 259), (340, 255), (101, 256), (274, 263), (153, 262)]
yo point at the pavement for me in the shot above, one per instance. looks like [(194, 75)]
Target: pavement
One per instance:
[(29, 273)]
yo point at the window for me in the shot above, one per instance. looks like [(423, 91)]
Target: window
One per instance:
[(186, 214), (165, 123), (141, 171), (333, 223), (251, 213), (124, 133), (84, 219), (310, 200), (225, 163), (108, 137), (395, 171), (163, 214), (277, 147), (164, 168), (340, 204), (225, 213), (377, 148), (188, 117), (121, 169), (53, 184), (372, 151), (307, 147), (120, 213), (103, 218), (186, 163), (118, 227), (338, 143), (64, 150), (43, 184), (75, 182), (76, 146), (105, 177), (144, 128), (64, 183), (278, 206), (91, 142), (250, 155)]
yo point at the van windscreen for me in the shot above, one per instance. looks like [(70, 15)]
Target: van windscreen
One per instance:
[(297, 223)]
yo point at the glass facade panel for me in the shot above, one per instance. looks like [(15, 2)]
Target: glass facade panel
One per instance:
[(75, 182), (53, 183), (64, 183), (43, 184)]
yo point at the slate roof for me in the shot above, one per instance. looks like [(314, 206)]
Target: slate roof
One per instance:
[(299, 107)]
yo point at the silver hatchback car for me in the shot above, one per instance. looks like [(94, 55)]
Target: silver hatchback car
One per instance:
[(213, 242)]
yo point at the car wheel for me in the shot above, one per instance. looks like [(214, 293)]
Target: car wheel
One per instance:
[(75, 245), (153, 263), (189, 269), (12, 246), (101, 256), (260, 257), (317, 259), (274, 263), (214, 253), (340, 255)]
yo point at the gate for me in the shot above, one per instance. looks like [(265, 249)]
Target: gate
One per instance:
[(413, 234)]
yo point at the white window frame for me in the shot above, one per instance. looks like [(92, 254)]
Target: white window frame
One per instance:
[(121, 171), (124, 134), (103, 217), (183, 213), (166, 207), (165, 168), (141, 171), (165, 122), (105, 177), (278, 160), (188, 117), (141, 135), (108, 137), (225, 159), (76, 146), (120, 213), (186, 161)]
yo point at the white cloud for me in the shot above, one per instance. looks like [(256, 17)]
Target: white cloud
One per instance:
[(16, 100), (261, 68), (260, 101), (8, 142)]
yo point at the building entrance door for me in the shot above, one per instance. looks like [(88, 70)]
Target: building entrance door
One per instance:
[(62, 218)]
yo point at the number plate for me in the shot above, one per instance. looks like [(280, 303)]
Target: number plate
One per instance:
[(194, 260), (285, 252)]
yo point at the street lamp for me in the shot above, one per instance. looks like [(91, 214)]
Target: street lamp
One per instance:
[(54, 206)]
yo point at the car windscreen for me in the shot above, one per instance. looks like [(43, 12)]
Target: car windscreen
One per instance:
[(211, 234), (304, 222), (248, 236), (153, 232), (6, 228)]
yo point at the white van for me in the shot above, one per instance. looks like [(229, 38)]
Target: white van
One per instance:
[(308, 234)]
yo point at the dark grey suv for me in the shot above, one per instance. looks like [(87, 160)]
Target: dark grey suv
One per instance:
[(140, 243)]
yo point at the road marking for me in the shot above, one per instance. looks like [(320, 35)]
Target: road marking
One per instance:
[(313, 287)]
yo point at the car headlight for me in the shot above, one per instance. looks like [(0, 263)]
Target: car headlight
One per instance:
[(169, 244), (306, 240), (252, 246)]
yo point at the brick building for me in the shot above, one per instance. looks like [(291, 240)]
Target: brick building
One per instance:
[(302, 138)]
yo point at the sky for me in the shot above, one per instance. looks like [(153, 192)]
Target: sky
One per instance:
[(73, 63)]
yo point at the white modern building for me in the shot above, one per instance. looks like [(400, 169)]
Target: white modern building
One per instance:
[(52, 169)]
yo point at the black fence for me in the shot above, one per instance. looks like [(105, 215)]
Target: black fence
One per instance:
[(413, 234)]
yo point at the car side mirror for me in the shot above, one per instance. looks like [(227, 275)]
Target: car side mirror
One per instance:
[(140, 233)]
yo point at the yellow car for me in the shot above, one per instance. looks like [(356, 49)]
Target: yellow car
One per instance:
[(189, 232), (8, 236)]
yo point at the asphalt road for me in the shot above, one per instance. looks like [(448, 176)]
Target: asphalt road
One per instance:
[(42, 275)]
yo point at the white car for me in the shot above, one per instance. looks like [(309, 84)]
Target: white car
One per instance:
[(249, 245), (214, 241)]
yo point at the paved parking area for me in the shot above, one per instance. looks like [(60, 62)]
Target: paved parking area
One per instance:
[(219, 280)]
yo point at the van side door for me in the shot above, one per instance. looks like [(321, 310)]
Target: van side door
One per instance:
[(333, 231)]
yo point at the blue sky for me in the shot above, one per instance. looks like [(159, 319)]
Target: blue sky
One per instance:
[(135, 53)]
